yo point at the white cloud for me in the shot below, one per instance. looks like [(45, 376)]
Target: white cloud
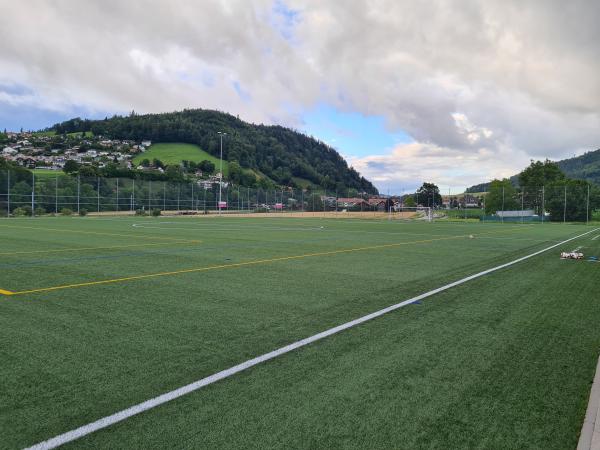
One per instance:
[(485, 84), (408, 165)]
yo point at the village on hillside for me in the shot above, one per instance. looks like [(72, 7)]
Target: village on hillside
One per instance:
[(41, 150)]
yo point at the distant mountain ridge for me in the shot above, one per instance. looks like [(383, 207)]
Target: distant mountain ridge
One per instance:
[(282, 154), (583, 167)]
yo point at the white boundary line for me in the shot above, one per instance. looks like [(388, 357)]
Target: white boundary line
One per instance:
[(184, 390)]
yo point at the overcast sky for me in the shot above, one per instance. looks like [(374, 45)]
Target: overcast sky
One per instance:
[(453, 92)]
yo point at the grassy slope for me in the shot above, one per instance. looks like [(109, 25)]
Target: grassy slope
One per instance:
[(501, 362), (302, 182), (174, 153), (47, 173)]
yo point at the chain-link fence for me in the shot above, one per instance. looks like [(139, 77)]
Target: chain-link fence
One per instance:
[(29, 193), (570, 201)]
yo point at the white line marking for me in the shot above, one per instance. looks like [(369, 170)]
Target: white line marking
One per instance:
[(596, 237), (184, 390)]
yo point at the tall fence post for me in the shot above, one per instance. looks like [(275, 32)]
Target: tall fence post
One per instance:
[(565, 207), (32, 194), (484, 212), (587, 206), (98, 206), (132, 195), (522, 204), (543, 212), (117, 205), (502, 204), (56, 194), (78, 192), (7, 193)]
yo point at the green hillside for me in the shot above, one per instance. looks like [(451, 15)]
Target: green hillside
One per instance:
[(174, 153), (285, 156), (584, 167)]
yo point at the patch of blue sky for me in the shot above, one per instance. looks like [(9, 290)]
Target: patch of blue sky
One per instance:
[(242, 94), (15, 89), (284, 19), (352, 133), (15, 117), (204, 77)]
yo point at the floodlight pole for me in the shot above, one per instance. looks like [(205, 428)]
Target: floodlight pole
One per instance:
[(221, 134)]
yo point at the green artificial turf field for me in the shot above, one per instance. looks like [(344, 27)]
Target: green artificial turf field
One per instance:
[(110, 312)]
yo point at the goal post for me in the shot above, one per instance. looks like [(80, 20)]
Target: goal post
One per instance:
[(411, 213)]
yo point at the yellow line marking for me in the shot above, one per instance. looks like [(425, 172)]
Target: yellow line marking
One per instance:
[(100, 233), (235, 265), (4, 292), (77, 249)]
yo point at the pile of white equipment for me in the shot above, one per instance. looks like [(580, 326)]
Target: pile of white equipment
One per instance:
[(571, 255)]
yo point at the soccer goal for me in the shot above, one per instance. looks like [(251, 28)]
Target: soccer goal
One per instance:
[(414, 213)]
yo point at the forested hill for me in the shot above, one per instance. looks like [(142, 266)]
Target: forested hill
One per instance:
[(282, 154), (584, 167)]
